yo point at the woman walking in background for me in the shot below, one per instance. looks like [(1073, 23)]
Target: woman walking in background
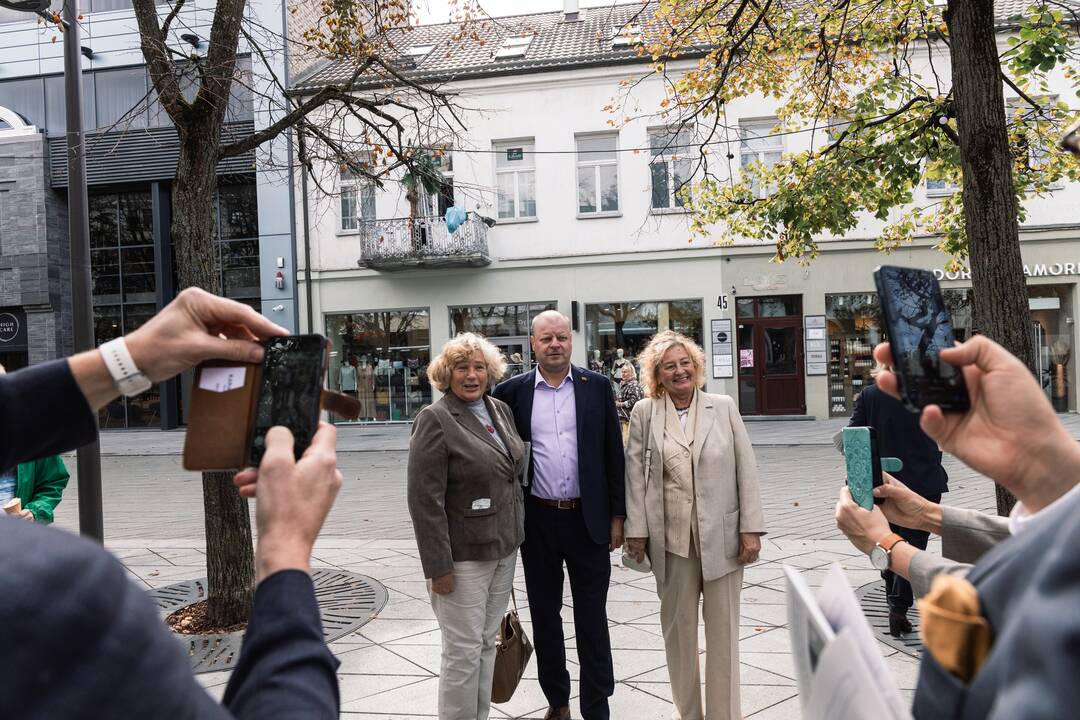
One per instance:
[(630, 392)]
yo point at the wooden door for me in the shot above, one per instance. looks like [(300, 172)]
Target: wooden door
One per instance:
[(770, 342)]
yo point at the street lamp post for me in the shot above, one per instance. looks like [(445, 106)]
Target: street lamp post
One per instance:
[(88, 458)]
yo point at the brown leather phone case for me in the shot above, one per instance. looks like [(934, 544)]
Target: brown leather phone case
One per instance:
[(220, 419)]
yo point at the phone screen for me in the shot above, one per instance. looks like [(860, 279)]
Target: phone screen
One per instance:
[(289, 395), (920, 327)]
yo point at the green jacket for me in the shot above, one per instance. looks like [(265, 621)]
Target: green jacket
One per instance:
[(40, 485)]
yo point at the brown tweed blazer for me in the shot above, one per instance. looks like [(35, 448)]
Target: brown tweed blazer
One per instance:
[(465, 497)]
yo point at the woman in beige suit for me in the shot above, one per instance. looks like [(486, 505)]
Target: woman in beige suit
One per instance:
[(693, 505), (468, 513)]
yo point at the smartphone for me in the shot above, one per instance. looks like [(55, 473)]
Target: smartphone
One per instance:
[(290, 389), (920, 327), (1071, 141), (863, 460)]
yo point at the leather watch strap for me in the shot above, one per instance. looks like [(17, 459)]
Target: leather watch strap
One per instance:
[(888, 542)]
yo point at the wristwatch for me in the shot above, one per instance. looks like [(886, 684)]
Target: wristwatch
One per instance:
[(127, 378), (882, 552)]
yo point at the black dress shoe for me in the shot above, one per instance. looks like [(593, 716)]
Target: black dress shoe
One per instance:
[(558, 713), (899, 624)]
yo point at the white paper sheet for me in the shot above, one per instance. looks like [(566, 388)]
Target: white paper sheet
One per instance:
[(849, 679), (222, 379)]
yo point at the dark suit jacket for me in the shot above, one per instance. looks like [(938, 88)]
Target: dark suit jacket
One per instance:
[(453, 462), (1029, 592), (80, 640), (600, 448), (900, 436)]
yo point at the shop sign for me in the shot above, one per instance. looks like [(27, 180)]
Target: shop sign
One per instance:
[(814, 339), (12, 329), (1033, 270), (514, 154)]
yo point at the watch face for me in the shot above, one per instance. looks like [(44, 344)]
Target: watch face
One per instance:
[(879, 558)]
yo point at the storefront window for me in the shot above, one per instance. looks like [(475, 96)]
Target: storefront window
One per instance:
[(855, 325), (618, 332), (1051, 341), (505, 325), (381, 358)]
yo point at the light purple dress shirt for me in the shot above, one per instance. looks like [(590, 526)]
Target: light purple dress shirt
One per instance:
[(554, 440)]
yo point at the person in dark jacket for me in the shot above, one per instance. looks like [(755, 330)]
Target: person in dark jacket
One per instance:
[(899, 436), (77, 638), (574, 511)]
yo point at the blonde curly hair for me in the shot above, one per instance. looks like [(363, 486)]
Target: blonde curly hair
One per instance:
[(460, 349), (653, 353)]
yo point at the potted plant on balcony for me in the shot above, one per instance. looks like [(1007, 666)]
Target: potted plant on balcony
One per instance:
[(422, 178)]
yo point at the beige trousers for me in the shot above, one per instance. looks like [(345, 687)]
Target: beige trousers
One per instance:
[(679, 594), (469, 619)]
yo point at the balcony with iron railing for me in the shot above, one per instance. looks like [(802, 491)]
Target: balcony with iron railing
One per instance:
[(404, 243)]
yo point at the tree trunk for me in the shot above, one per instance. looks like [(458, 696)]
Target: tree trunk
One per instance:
[(991, 208), (230, 562)]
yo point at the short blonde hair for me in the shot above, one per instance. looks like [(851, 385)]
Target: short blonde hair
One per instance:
[(459, 349), (653, 353), (630, 367)]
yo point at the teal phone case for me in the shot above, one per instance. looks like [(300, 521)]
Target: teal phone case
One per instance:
[(863, 466)]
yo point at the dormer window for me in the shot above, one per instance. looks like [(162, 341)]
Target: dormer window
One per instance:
[(419, 51), (514, 46), (626, 36)]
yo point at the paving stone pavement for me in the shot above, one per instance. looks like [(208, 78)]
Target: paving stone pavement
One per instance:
[(389, 670)]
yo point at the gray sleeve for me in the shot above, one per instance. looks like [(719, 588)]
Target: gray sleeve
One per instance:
[(967, 534), (925, 566)]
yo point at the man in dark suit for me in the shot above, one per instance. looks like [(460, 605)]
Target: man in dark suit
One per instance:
[(574, 511), (899, 435), (80, 640)]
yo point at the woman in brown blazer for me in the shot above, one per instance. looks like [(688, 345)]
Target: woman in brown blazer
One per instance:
[(468, 513), (693, 504)]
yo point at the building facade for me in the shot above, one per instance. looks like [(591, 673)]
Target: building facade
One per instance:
[(131, 150), (570, 210)]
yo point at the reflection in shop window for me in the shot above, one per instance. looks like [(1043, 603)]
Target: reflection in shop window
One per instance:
[(616, 333), (507, 326), (381, 359), (855, 325)]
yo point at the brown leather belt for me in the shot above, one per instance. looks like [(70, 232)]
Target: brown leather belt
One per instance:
[(573, 504)]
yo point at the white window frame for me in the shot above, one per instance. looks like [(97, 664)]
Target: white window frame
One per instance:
[(1035, 156), (669, 157), (514, 46), (445, 162), (626, 36), (359, 190), (595, 166), (762, 129), (528, 147)]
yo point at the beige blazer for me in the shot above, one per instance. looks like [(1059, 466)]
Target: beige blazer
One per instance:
[(464, 491), (727, 499)]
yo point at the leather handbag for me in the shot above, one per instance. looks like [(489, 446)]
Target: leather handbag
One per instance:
[(512, 653)]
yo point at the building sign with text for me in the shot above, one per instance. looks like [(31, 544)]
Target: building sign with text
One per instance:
[(12, 329)]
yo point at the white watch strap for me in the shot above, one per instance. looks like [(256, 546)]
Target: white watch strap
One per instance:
[(129, 380)]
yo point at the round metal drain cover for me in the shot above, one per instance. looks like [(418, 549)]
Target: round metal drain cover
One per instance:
[(876, 608), (347, 602)]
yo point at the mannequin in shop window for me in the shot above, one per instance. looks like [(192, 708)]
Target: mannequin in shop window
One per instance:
[(596, 363), (365, 388), (616, 368), (347, 376)]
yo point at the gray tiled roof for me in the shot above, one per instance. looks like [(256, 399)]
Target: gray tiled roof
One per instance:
[(557, 44)]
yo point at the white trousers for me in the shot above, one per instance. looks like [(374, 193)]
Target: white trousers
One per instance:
[(469, 619), (680, 593)]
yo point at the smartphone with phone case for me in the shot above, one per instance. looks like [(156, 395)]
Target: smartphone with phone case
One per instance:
[(920, 327), (233, 405), (292, 373), (863, 461)]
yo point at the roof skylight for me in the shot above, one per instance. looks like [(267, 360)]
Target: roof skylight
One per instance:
[(514, 46), (626, 36)]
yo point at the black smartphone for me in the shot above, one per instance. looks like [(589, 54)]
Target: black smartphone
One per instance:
[(290, 389), (920, 327)]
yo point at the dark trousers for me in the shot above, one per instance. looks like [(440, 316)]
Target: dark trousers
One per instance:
[(552, 537), (897, 589)]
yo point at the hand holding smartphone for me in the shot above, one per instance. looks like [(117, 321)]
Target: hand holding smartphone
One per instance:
[(920, 327)]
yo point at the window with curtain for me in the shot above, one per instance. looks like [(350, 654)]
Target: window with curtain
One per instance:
[(758, 145), (357, 197), (515, 179), (597, 174), (669, 165)]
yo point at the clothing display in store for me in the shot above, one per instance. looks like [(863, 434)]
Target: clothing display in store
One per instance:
[(365, 383)]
